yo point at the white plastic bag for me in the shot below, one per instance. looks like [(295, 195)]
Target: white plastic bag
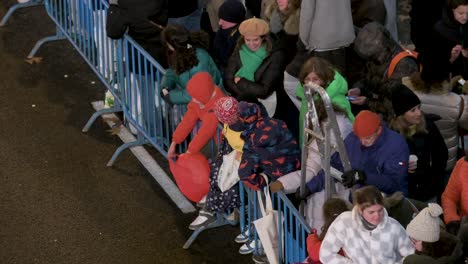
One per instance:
[(228, 174)]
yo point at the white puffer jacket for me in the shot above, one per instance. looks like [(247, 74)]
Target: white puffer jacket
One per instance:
[(453, 110), (292, 181)]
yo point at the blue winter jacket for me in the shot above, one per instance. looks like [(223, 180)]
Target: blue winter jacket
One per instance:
[(385, 163)]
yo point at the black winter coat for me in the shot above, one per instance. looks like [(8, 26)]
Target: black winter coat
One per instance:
[(144, 20), (268, 77), (447, 34), (428, 179)]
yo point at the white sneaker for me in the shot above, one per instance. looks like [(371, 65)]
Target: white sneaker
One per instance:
[(23, 1), (204, 218), (249, 247)]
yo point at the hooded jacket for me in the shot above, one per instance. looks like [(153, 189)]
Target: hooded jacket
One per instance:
[(177, 83), (269, 146), (202, 88), (375, 45)]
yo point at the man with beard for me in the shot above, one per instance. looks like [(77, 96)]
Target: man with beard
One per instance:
[(231, 13)]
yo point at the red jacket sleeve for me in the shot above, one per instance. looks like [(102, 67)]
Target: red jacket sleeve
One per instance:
[(205, 133), (186, 125), (313, 246)]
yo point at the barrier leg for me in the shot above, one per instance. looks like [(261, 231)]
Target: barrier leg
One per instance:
[(98, 114), (220, 221), (58, 36), (119, 150), (17, 6)]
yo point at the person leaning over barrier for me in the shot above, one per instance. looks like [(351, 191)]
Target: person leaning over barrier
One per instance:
[(378, 156), (144, 20), (366, 234), (200, 108), (188, 56), (269, 147)]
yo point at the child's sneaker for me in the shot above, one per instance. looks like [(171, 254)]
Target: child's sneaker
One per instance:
[(204, 218)]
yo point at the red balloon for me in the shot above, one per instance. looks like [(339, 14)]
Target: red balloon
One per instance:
[(191, 173)]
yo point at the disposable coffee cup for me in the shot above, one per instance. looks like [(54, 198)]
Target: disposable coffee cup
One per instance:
[(413, 158)]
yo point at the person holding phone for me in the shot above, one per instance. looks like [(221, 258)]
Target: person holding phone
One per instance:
[(449, 45)]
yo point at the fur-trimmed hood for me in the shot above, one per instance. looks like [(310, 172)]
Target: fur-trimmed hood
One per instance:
[(290, 19)]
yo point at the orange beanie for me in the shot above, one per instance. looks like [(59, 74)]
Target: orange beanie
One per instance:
[(366, 123)]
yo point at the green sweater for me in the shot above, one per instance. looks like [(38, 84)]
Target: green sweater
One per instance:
[(177, 84), (337, 91)]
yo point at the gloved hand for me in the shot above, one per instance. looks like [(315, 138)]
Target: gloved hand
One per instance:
[(352, 177), (302, 197), (453, 227)]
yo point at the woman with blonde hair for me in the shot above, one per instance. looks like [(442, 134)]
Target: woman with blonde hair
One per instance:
[(426, 166)]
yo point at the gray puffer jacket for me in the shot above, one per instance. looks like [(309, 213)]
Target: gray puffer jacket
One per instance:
[(453, 110)]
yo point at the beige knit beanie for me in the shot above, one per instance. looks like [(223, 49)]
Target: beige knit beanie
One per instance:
[(426, 225)]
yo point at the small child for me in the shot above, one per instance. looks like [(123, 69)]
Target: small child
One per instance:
[(332, 208)]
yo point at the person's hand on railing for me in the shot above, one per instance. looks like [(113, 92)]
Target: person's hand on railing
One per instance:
[(165, 96), (353, 177), (276, 186)]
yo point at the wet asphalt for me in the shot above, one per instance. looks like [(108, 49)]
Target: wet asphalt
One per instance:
[(59, 203)]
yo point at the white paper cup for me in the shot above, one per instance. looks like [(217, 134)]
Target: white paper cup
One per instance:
[(414, 158)]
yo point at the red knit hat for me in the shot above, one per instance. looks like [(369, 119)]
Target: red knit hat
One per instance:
[(226, 109), (201, 87), (366, 124)]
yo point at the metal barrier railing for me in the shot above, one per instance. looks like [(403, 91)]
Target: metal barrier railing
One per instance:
[(292, 228), (134, 79)]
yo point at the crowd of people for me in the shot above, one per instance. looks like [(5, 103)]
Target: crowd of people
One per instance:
[(244, 65)]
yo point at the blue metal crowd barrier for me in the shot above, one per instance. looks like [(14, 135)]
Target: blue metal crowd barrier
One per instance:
[(292, 228), (134, 79)]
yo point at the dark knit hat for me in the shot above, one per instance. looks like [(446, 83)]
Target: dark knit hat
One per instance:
[(403, 99), (232, 11)]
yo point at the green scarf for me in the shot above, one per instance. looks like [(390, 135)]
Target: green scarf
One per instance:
[(250, 60)]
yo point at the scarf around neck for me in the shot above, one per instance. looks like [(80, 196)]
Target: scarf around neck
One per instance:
[(250, 60), (368, 226)]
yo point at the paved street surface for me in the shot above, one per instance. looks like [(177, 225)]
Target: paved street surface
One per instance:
[(59, 203)]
